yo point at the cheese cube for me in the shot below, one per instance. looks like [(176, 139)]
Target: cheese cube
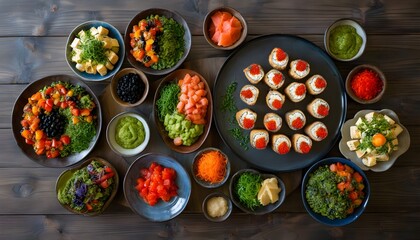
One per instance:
[(369, 116), (369, 161), (114, 42), (109, 65), (80, 67), (355, 133), (352, 144), (107, 42), (102, 31), (112, 57), (382, 157), (75, 43), (93, 31), (389, 120), (101, 69), (396, 130), (360, 153), (359, 121), (90, 68)]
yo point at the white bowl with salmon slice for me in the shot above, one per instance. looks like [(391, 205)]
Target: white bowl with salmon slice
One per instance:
[(224, 28)]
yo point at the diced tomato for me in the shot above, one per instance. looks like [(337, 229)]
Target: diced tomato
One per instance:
[(63, 91), (29, 141), (52, 153), (75, 112), (50, 102), (104, 184), (65, 139), (64, 105), (49, 90)]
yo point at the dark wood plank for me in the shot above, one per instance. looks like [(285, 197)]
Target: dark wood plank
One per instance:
[(195, 226), (58, 18), (32, 191)]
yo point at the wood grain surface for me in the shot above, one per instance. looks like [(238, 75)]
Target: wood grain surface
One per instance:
[(33, 35)]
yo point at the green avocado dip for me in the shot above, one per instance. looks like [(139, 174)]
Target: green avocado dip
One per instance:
[(345, 43), (129, 132)]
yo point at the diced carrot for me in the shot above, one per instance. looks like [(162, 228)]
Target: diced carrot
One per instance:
[(195, 79), (196, 98), (204, 101), (357, 177), (187, 78), (341, 186), (201, 85), (340, 166)]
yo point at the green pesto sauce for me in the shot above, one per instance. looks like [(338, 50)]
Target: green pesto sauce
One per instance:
[(344, 42), (129, 132)]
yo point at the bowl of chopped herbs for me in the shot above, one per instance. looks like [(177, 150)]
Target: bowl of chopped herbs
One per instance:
[(95, 50), (158, 41), (256, 193), (335, 191)]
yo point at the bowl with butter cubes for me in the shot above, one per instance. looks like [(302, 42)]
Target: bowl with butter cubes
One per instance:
[(95, 50)]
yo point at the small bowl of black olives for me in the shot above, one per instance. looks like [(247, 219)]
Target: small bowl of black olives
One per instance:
[(129, 87)]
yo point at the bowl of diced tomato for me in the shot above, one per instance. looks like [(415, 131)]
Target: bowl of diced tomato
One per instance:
[(335, 191), (157, 187)]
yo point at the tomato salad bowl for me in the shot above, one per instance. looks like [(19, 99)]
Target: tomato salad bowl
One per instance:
[(56, 121)]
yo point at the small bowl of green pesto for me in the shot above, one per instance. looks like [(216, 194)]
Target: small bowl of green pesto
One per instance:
[(345, 40), (335, 191), (157, 41), (128, 134)]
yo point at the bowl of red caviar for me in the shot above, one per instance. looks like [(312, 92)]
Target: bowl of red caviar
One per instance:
[(366, 84)]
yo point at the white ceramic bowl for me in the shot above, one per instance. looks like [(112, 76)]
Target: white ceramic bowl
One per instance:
[(110, 135), (360, 31)]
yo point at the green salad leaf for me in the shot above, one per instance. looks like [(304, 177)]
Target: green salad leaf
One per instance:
[(247, 188)]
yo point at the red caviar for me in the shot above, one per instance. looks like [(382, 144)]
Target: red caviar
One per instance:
[(247, 93), (300, 90), (260, 143), (304, 147), (297, 123), (277, 104), (283, 148), (323, 110), (271, 125), (248, 123), (321, 132), (366, 84), (320, 83), (254, 69), (278, 78), (280, 54), (301, 65)]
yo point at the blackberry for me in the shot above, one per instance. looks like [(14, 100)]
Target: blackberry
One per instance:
[(53, 124), (130, 88)]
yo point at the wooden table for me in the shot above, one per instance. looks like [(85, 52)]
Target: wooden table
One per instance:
[(32, 41)]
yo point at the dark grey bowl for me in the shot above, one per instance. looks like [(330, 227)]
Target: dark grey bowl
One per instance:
[(221, 218), (260, 210), (17, 117), (161, 12)]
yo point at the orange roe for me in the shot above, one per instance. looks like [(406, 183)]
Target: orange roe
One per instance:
[(280, 54), (366, 84), (301, 65), (300, 90), (271, 125), (321, 132), (304, 147), (255, 69), (247, 93), (277, 104), (283, 148), (278, 78), (323, 110), (260, 143), (248, 123), (320, 83), (297, 123)]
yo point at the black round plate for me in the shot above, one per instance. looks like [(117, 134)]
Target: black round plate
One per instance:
[(17, 117), (257, 51)]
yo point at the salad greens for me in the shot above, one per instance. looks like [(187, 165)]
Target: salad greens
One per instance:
[(247, 187), (166, 104), (171, 43), (378, 124)]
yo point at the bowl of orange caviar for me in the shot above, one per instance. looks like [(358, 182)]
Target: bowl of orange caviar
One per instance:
[(366, 84)]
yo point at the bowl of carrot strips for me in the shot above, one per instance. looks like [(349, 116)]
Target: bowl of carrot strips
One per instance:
[(210, 167)]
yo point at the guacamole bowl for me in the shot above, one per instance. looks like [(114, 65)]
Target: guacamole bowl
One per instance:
[(89, 188), (339, 206), (345, 40), (128, 134)]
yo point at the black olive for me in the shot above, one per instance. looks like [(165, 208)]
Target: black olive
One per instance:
[(130, 88)]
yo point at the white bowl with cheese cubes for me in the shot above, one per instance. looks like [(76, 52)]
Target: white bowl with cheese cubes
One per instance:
[(95, 50), (374, 139)]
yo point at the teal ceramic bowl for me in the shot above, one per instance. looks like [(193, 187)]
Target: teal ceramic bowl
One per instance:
[(113, 33)]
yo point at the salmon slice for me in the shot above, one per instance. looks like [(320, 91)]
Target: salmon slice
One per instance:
[(225, 29)]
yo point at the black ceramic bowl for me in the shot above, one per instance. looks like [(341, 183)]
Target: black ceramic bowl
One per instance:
[(161, 12)]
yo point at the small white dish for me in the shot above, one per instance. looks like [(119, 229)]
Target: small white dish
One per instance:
[(360, 31), (110, 135)]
